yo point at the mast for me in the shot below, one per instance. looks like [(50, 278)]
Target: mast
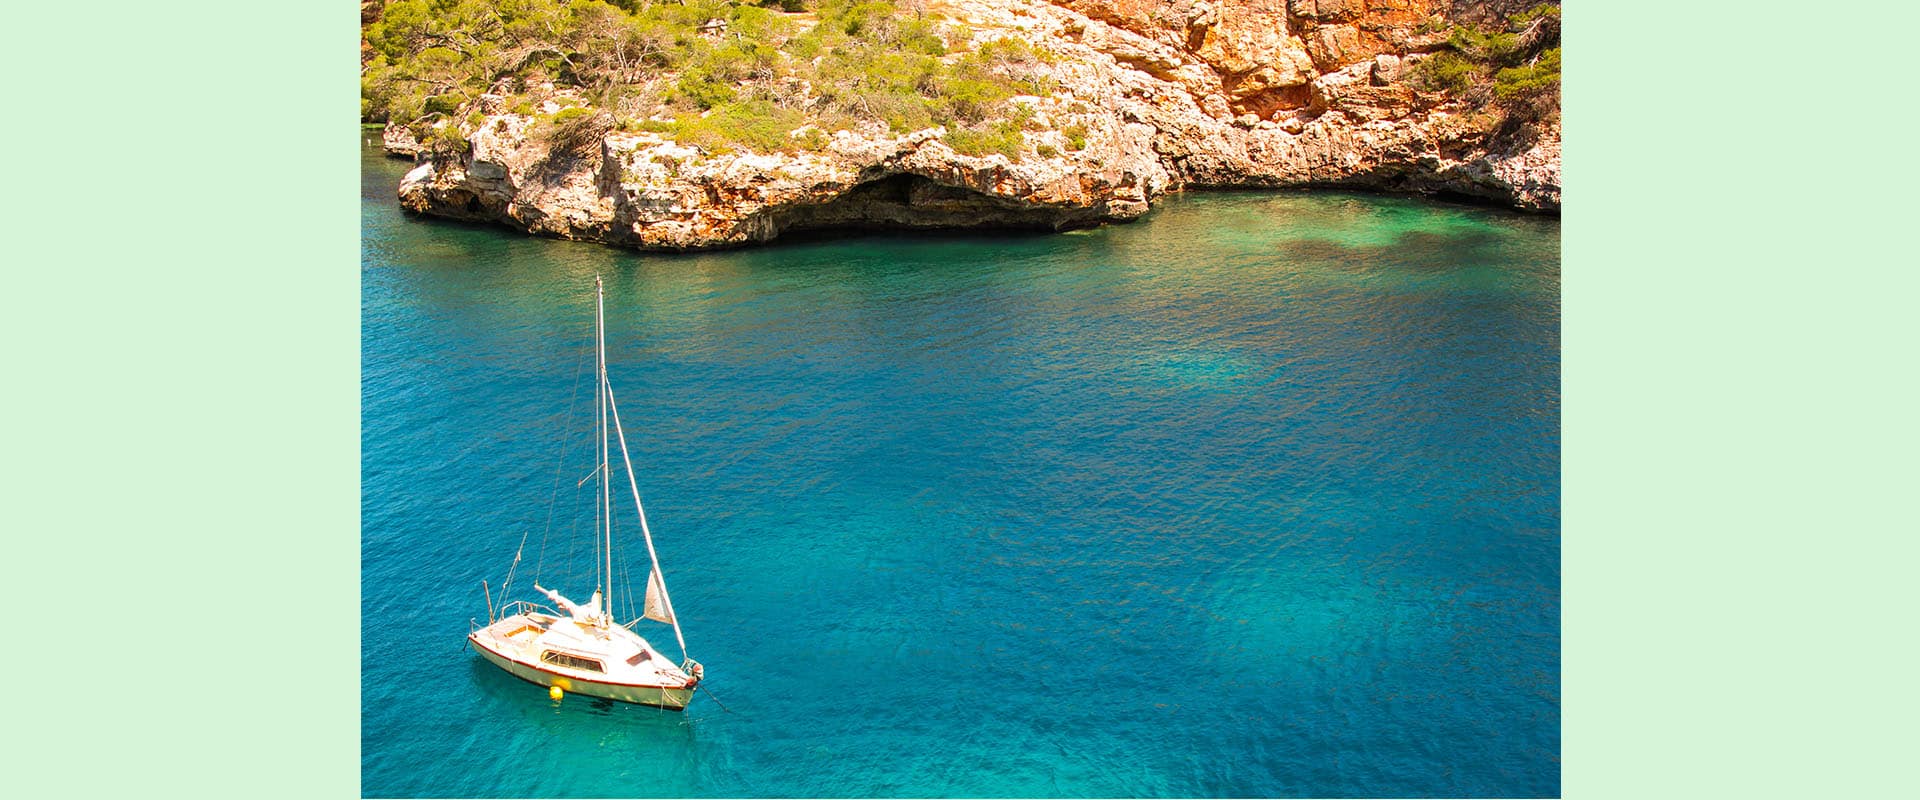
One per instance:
[(626, 459), (603, 398)]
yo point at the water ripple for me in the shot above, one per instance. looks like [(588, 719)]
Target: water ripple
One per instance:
[(1257, 496)]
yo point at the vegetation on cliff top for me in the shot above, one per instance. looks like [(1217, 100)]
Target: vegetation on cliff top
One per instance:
[(1512, 65), (716, 73)]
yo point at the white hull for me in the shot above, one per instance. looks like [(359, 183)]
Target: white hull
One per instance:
[(672, 699), (516, 643)]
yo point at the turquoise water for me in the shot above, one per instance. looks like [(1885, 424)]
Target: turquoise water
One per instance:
[(1257, 496)]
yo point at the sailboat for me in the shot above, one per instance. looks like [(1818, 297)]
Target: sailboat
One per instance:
[(580, 647)]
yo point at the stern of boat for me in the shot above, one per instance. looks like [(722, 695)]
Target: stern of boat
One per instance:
[(515, 631)]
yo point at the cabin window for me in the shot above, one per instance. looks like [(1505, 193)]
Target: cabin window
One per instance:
[(576, 662)]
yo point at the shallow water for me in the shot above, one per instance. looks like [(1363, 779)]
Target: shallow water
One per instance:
[(1257, 496)]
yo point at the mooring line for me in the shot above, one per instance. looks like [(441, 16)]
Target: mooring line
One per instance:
[(716, 699)]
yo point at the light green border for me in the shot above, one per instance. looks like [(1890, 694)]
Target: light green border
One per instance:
[(182, 447), (1737, 371), (182, 466)]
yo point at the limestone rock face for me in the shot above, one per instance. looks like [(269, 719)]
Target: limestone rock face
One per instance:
[(398, 141), (1327, 10), (1160, 96), (643, 190)]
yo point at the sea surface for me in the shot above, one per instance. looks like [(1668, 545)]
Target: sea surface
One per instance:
[(1256, 496)]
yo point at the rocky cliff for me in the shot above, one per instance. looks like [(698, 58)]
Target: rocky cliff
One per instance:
[(1146, 97)]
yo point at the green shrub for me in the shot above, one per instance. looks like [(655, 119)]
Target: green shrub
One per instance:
[(1483, 45), (970, 100), (566, 115), (447, 104), (1513, 68), (1531, 91), (1023, 115), (703, 89), (577, 129), (804, 47), (1445, 72), (651, 125), (814, 140), (999, 137), (756, 125), (1076, 136), (1541, 76), (446, 140), (1537, 12), (1008, 49), (1036, 85), (864, 59)]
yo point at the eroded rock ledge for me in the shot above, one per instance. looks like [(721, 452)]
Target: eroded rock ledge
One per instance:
[(1202, 93)]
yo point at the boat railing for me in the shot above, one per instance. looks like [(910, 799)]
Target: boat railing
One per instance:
[(510, 609), (525, 607)]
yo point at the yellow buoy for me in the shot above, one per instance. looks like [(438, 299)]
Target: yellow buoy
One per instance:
[(556, 692)]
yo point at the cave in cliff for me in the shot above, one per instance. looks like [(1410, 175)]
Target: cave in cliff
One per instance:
[(907, 201)]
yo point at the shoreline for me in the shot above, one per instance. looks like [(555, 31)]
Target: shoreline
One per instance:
[(856, 231), (1093, 117)]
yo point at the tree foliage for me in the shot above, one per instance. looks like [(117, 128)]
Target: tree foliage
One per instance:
[(1515, 67), (723, 72)]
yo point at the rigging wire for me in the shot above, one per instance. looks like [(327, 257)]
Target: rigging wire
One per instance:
[(583, 425), (626, 589), (619, 573), (666, 599), (625, 575), (553, 498)]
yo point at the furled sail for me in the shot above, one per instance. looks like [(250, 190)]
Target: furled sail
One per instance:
[(657, 607)]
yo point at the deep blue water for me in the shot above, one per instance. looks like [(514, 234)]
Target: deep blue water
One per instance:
[(1257, 496)]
